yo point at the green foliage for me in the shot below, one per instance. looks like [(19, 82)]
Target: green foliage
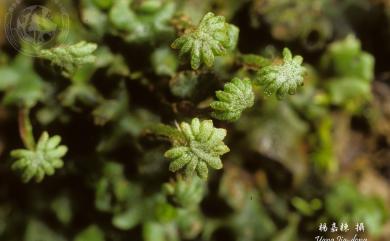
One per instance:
[(71, 57), (282, 78), (277, 131), (307, 208), (190, 223), (91, 233), (345, 58), (233, 100), (203, 147), (305, 20), (62, 208), (164, 62), (350, 71), (184, 84), (290, 232), (148, 22), (165, 212), (115, 194), (153, 231), (103, 4), (323, 156), (42, 160), (186, 192), (262, 227), (21, 84), (37, 230), (347, 204), (213, 37), (254, 61)]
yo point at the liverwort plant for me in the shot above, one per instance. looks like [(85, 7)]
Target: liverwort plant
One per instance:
[(233, 100), (37, 159), (42, 160), (213, 37), (185, 192), (203, 146), (70, 57), (282, 78)]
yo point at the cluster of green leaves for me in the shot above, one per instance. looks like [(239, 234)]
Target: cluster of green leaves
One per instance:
[(351, 71), (213, 37), (202, 146), (20, 83), (308, 20), (42, 160), (282, 78), (186, 193), (233, 100), (143, 23), (114, 186), (133, 21), (70, 57)]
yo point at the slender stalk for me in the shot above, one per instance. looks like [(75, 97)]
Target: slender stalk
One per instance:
[(25, 129), (164, 130)]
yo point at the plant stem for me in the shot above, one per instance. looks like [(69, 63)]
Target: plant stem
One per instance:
[(172, 133), (25, 129)]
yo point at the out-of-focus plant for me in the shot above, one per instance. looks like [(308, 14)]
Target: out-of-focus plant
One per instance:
[(307, 208), (70, 57), (347, 204), (116, 195), (306, 20), (186, 193), (21, 85), (324, 156), (90, 233), (350, 71), (146, 21)]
